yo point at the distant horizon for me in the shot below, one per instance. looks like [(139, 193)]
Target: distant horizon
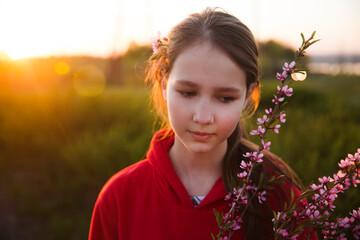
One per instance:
[(313, 57), (332, 64)]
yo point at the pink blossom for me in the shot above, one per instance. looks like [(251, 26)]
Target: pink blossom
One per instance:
[(316, 214), (266, 146), (261, 197), (237, 223), (351, 157), (345, 163), (356, 214), (355, 181), (289, 67), (315, 187), (155, 43), (269, 111), (281, 76), (235, 226), (345, 222), (276, 99), (245, 165), (347, 183), (248, 154), (263, 120), (294, 237), (257, 157), (228, 196), (356, 232), (251, 188), (224, 238), (276, 128), (285, 90), (243, 201), (339, 175), (342, 237), (242, 175), (237, 191), (259, 131), (282, 117), (283, 232), (324, 180)]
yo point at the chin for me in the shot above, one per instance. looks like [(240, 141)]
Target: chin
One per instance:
[(200, 148)]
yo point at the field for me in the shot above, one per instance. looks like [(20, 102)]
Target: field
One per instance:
[(57, 149)]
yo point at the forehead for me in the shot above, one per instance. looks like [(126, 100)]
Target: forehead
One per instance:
[(205, 64)]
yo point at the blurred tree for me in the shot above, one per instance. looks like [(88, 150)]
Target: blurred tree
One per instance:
[(273, 55), (113, 70), (135, 60)]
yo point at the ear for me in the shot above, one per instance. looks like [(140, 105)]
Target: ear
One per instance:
[(163, 87)]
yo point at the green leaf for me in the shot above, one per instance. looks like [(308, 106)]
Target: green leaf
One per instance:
[(227, 226), (292, 196), (217, 216), (303, 38), (313, 34), (275, 217), (271, 179), (261, 178), (313, 42)]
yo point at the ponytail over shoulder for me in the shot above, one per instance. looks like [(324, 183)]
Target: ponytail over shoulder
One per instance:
[(257, 220)]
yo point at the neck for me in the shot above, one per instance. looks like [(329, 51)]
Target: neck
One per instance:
[(197, 171)]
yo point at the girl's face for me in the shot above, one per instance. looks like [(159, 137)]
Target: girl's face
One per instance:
[(205, 94)]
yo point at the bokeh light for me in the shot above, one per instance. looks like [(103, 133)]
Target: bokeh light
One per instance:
[(299, 76), (62, 68)]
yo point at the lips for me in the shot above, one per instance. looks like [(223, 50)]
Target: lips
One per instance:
[(201, 136)]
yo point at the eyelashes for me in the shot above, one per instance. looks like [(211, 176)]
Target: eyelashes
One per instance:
[(187, 94), (221, 98), (227, 99)]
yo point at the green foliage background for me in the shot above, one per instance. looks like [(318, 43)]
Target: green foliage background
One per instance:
[(57, 149)]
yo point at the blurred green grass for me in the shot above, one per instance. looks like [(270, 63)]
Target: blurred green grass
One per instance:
[(57, 149)]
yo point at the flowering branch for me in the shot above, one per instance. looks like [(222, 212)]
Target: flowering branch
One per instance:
[(271, 121), (317, 212)]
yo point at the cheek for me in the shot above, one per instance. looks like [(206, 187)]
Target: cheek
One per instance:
[(228, 120), (177, 109)]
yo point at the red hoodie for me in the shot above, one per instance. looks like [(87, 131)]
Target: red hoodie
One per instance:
[(147, 200)]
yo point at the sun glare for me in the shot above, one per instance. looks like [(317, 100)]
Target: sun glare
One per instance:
[(42, 28), (62, 68)]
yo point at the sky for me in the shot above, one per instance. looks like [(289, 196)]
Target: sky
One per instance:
[(105, 27)]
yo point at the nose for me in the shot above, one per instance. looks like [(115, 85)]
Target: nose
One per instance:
[(203, 113)]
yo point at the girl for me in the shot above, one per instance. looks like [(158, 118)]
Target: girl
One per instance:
[(202, 81)]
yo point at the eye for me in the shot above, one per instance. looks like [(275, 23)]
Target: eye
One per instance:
[(187, 93), (226, 99)]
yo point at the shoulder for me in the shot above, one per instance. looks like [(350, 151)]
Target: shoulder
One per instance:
[(125, 180), (116, 197)]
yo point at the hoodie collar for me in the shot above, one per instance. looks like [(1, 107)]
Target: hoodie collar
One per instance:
[(159, 159)]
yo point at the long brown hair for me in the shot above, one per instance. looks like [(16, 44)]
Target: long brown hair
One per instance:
[(230, 35)]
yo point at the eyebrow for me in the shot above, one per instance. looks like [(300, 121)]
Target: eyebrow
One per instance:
[(220, 89)]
